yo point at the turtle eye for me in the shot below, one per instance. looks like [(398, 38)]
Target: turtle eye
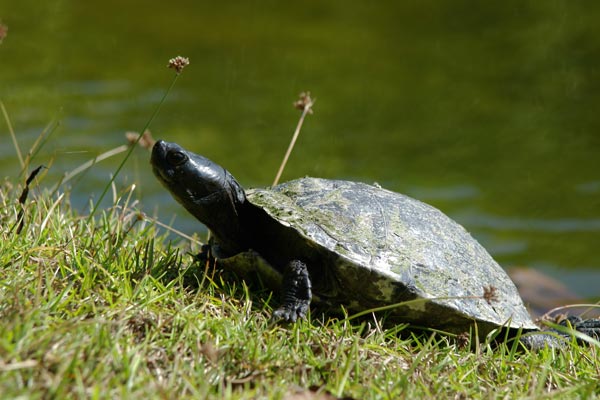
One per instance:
[(176, 158)]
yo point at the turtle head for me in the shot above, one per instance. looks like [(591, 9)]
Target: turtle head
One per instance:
[(206, 190)]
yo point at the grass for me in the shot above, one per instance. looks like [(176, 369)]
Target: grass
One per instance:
[(108, 308), (103, 305)]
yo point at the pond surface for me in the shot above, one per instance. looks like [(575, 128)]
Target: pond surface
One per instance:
[(486, 111)]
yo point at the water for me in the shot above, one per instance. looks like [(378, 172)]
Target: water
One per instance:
[(486, 111)]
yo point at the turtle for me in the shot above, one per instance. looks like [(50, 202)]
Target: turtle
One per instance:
[(348, 244)]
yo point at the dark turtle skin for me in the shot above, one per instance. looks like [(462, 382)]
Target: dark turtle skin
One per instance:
[(349, 244)]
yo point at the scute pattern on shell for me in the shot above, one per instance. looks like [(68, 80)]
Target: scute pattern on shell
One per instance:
[(384, 248)]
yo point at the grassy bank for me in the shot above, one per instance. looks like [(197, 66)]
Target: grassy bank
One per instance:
[(108, 308), (103, 305)]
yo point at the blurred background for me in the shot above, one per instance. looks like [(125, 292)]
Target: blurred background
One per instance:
[(488, 111)]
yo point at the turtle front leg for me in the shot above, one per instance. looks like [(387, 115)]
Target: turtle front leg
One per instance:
[(205, 254), (296, 293)]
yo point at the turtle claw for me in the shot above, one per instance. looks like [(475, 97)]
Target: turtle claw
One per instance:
[(290, 313)]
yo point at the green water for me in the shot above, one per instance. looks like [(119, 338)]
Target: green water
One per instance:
[(487, 110)]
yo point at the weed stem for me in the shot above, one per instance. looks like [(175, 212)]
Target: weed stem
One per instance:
[(306, 103), (12, 134), (131, 148)]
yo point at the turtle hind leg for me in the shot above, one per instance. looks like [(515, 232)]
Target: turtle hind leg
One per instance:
[(296, 293), (590, 327)]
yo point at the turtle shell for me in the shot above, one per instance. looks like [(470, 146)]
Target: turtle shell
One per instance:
[(369, 247)]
